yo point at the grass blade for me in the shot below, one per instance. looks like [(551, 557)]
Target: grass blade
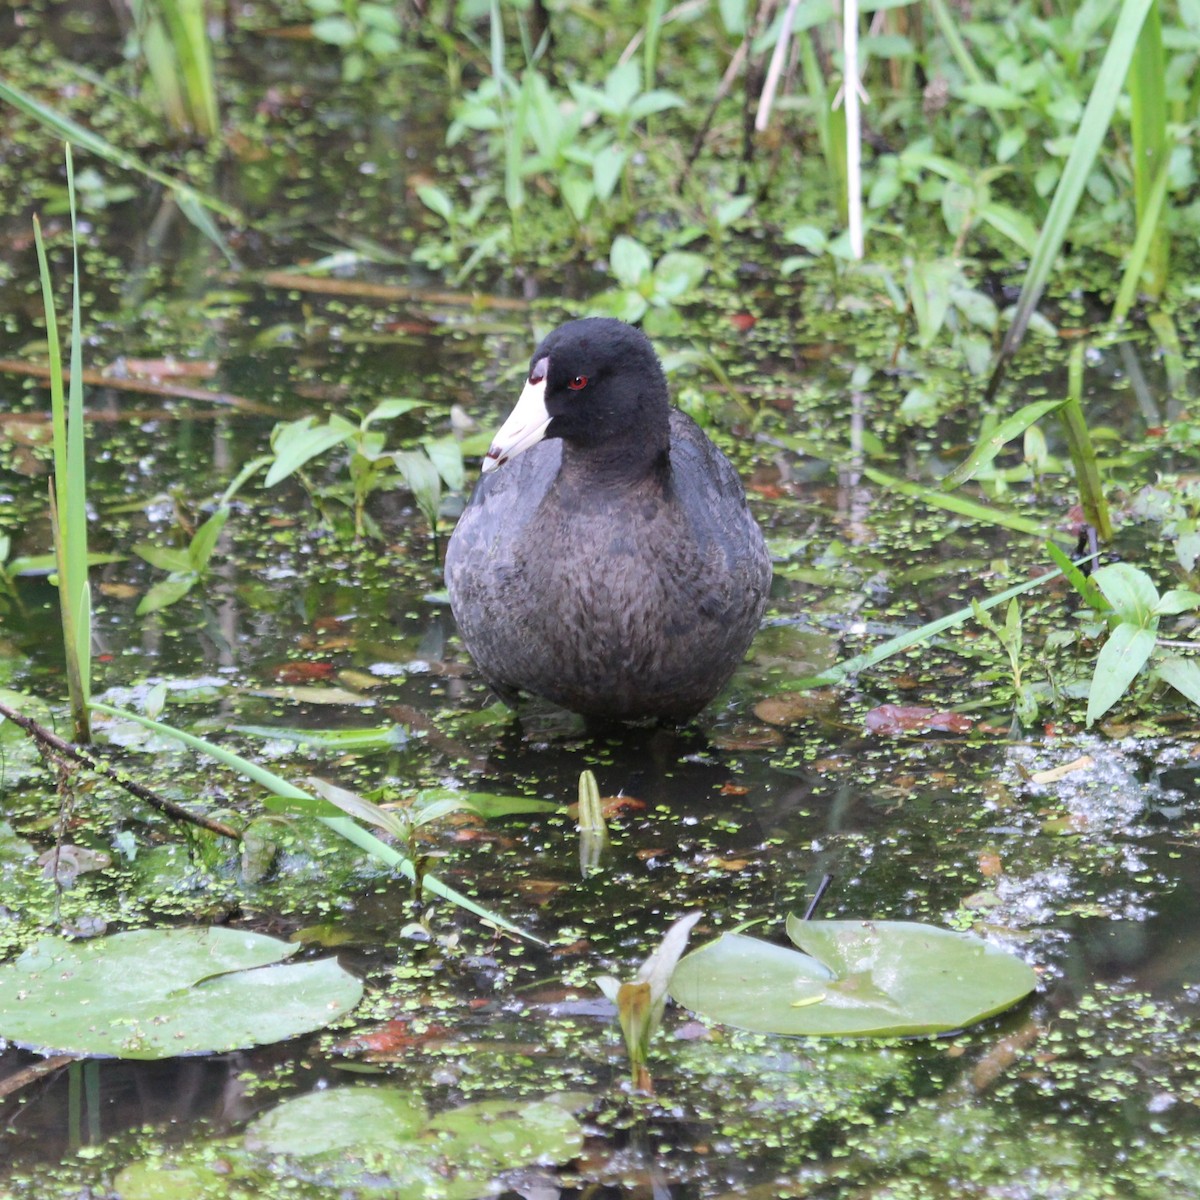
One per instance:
[(954, 43), (1083, 453), (74, 516), (973, 510), (1093, 125), (914, 637), (987, 449), (1091, 595), (189, 199), (1151, 150), (189, 37), (1149, 245), (68, 495), (342, 826)]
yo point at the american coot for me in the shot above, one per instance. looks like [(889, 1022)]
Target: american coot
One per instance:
[(612, 565)]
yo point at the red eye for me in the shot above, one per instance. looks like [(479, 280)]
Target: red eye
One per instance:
[(578, 383)]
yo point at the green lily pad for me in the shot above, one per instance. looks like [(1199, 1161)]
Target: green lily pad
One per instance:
[(154, 993), (156, 1179), (330, 1122), (380, 1139), (857, 979)]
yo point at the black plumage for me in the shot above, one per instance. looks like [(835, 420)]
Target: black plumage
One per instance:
[(611, 564)]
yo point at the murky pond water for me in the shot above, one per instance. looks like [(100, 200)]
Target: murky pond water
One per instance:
[(1091, 1087)]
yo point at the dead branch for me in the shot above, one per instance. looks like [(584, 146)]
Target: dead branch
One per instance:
[(49, 739)]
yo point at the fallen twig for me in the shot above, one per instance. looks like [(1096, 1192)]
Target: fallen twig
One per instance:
[(13, 1083), (365, 289), (37, 370), (47, 737)]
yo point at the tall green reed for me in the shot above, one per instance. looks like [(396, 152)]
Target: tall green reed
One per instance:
[(175, 44), (68, 491), (1151, 147), (1093, 125)]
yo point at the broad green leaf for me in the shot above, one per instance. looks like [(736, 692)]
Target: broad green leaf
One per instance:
[(336, 1119), (446, 455), (532, 1131), (1187, 551), (1183, 674), (1129, 590), (578, 194), (160, 1178), (167, 592), (607, 166), (488, 804), (733, 16), (809, 237), (165, 558), (380, 16), (161, 993), (1009, 143), (1091, 595), (296, 442), (976, 307), (334, 31), (856, 979), (387, 410), (990, 96), (354, 805), (379, 43), (204, 540), (677, 273), (652, 102), (156, 701), (1177, 600), (622, 85), (929, 294), (422, 479), (1120, 659), (630, 260), (1013, 225), (436, 200)]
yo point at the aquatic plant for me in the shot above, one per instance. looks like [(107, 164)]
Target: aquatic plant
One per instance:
[(371, 466), (1129, 603), (68, 496), (187, 566), (196, 205), (1093, 125), (172, 38), (366, 34), (641, 1001), (649, 291)]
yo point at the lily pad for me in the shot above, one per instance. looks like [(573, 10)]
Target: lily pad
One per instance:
[(857, 979), (381, 1139), (151, 994), (329, 1122)]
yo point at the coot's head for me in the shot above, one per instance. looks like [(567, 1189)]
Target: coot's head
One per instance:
[(598, 385)]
